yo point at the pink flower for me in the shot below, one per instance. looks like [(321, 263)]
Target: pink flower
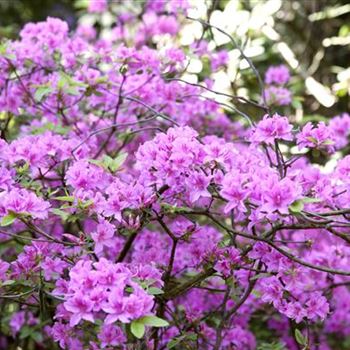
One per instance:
[(97, 6), (25, 202), (279, 96), (317, 306), (295, 311), (340, 126), (4, 266), (272, 291), (103, 236), (279, 195), (277, 75), (320, 136), (198, 184), (270, 129), (80, 306), (111, 335), (114, 307), (234, 191), (53, 268)]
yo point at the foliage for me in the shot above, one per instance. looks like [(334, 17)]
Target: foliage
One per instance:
[(146, 205)]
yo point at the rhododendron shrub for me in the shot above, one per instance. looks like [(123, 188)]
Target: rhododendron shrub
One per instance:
[(139, 213)]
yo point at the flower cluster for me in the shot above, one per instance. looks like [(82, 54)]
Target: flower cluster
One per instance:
[(137, 211), (276, 77)]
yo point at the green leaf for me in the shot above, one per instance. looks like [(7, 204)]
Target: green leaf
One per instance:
[(8, 283), (173, 209), (72, 91), (328, 142), (62, 214), (137, 329), (37, 336), (26, 331), (311, 200), (114, 164), (312, 139), (4, 53), (118, 161), (81, 4), (8, 219), (300, 338), (86, 204), (64, 198), (182, 338), (153, 321), (65, 79), (41, 92), (154, 291), (297, 206)]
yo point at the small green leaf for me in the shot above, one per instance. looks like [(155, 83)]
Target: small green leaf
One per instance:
[(312, 139), (26, 331), (64, 198), (8, 283), (137, 329), (173, 209), (37, 336), (86, 204), (72, 90), (154, 291), (328, 142), (300, 338), (153, 321), (66, 79), (297, 206), (8, 219), (41, 92), (113, 164), (311, 200), (62, 214), (81, 4), (182, 338)]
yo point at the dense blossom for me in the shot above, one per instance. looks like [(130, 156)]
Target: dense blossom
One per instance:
[(269, 129), (136, 211), (320, 137), (276, 92), (277, 75)]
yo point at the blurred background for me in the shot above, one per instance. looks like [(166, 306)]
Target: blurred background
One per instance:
[(312, 37)]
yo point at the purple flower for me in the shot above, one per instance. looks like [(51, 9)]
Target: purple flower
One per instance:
[(279, 195), (317, 306), (4, 266), (111, 335), (198, 184), (272, 291), (219, 59), (277, 75), (279, 96), (114, 307), (295, 311), (24, 202), (97, 6), (234, 191), (270, 129), (320, 136), (340, 127), (103, 235), (53, 268), (80, 307)]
